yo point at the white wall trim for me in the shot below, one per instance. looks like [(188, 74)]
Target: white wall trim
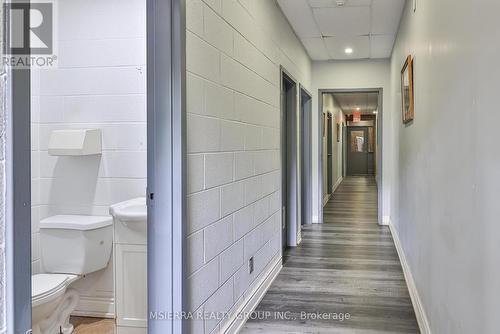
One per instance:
[(315, 220), (386, 220), (98, 307), (131, 330), (238, 321), (422, 320), (326, 199), (328, 196), (337, 184)]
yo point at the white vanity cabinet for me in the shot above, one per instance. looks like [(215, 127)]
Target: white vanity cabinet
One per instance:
[(130, 251), (130, 287)]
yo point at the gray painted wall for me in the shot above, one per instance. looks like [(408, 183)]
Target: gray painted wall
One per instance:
[(330, 105), (3, 103), (447, 210), (3, 97)]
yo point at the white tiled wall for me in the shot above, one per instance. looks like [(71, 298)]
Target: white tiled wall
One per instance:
[(100, 83), (234, 52)]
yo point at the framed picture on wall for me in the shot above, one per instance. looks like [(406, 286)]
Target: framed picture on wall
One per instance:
[(407, 93)]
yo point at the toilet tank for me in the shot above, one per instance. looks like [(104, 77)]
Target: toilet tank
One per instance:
[(75, 244)]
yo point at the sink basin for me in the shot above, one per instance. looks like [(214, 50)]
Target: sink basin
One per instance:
[(133, 210)]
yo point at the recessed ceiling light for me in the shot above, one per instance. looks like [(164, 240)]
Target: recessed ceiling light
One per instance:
[(348, 51), (358, 108)]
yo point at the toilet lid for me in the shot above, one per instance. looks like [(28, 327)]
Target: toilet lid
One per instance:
[(45, 287)]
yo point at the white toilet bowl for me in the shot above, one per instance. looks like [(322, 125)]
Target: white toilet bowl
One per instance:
[(50, 302), (71, 246)]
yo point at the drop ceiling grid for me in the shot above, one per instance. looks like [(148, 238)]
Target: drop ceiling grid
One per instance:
[(367, 102), (378, 33)]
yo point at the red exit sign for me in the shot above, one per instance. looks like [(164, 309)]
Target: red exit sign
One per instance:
[(356, 116)]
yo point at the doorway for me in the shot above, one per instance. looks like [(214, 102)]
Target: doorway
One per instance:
[(290, 200), (357, 152), (329, 154), (165, 188), (344, 104), (305, 157)]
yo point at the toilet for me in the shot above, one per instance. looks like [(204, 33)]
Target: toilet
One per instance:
[(71, 247)]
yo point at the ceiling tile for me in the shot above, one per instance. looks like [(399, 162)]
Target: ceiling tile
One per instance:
[(385, 16), (316, 48), (381, 46), (368, 26), (336, 47), (300, 16), (343, 21), (348, 102)]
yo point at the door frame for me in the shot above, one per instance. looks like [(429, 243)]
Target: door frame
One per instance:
[(349, 153), (166, 176), (290, 177), (18, 199), (306, 138), (344, 149), (329, 153), (379, 161)]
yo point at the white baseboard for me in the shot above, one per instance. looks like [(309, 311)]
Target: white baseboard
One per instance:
[(98, 307), (326, 199), (422, 320), (337, 184), (328, 196), (131, 330), (234, 325), (386, 220)]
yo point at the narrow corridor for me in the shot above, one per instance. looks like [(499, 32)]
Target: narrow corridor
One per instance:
[(347, 265)]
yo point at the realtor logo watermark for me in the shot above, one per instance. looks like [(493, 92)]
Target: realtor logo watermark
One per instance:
[(31, 39)]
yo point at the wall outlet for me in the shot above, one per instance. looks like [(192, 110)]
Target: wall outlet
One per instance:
[(250, 265)]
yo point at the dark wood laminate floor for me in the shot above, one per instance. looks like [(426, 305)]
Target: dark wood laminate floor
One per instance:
[(347, 265)]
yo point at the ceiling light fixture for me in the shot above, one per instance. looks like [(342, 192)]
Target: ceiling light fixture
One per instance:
[(348, 51), (358, 108)]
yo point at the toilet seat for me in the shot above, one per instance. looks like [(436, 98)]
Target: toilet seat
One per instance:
[(47, 287)]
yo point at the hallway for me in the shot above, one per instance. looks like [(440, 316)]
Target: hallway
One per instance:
[(347, 265)]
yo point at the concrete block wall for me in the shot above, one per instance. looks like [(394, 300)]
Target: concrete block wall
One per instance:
[(234, 52)]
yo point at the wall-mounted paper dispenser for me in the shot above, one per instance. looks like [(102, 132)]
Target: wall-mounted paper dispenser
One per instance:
[(75, 142)]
